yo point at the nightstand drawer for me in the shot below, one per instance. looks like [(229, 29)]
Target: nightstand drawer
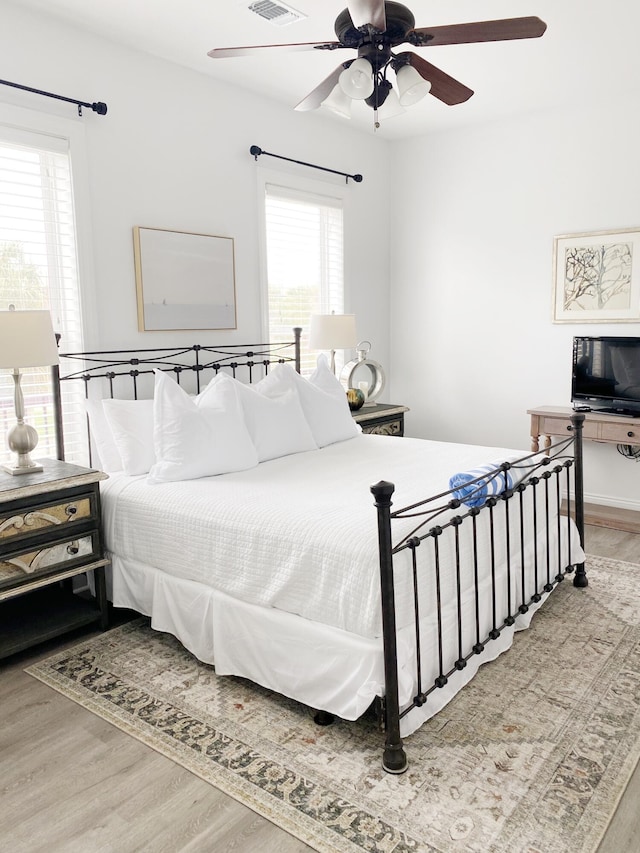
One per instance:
[(23, 567), (42, 517), (390, 427), (381, 419)]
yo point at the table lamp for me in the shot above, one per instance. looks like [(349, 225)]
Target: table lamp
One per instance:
[(332, 332), (26, 340)]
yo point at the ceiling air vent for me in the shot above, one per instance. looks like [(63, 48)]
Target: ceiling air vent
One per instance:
[(277, 14)]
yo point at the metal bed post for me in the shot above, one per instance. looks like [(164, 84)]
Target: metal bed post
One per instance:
[(57, 405), (577, 421), (394, 759), (297, 333), (57, 411)]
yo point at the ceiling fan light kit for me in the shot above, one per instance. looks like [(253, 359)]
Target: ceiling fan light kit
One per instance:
[(411, 85), (338, 102), (356, 81), (374, 28), (391, 106)]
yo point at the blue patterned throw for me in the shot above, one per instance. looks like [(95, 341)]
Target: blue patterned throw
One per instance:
[(473, 487)]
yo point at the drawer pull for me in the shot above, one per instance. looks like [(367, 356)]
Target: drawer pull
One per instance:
[(569, 428), (71, 510), (630, 434)]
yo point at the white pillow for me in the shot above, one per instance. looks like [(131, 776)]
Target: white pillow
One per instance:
[(198, 437), (323, 399), (131, 423), (108, 458), (276, 424)]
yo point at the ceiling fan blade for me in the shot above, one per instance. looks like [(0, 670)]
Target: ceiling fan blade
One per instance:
[(365, 12), (443, 87), (317, 96), (225, 52), (503, 30)]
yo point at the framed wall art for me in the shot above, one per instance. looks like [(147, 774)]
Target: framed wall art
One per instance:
[(183, 280), (597, 277)]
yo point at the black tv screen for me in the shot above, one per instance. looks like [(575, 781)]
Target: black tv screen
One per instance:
[(606, 374)]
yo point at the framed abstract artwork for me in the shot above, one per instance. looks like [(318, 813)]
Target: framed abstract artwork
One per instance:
[(597, 277), (183, 280)]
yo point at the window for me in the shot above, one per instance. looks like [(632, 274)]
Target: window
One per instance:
[(304, 262), (38, 269)]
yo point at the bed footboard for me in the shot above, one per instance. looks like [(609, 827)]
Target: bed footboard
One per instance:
[(518, 548)]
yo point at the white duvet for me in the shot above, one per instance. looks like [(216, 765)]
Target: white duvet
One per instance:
[(297, 534)]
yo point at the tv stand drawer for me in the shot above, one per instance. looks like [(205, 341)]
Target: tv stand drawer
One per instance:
[(621, 433), (551, 421), (561, 426)]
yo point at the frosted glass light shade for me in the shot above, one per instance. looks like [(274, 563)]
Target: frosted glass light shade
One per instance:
[(356, 81), (411, 85), (333, 331), (27, 339), (391, 107), (338, 102)]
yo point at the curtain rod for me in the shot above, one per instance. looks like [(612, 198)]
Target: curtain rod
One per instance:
[(98, 107), (258, 151)]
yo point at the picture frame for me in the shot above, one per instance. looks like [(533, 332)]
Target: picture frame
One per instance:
[(596, 277), (184, 280)]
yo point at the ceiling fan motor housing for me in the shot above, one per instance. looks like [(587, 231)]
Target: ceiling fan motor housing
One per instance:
[(399, 21)]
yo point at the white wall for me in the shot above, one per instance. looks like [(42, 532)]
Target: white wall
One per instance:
[(473, 215), (473, 344), (173, 152)]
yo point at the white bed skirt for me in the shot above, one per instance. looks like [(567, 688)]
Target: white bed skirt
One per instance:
[(322, 667)]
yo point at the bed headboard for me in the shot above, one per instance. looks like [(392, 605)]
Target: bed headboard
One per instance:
[(122, 371)]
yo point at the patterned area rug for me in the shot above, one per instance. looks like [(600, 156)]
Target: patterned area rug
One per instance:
[(532, 756)]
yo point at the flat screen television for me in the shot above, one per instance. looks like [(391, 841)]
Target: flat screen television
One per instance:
[(606, 374)]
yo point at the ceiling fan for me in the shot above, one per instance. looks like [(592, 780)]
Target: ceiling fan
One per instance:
[(374, 28)]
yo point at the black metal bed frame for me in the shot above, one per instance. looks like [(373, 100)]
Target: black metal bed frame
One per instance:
[(544, 469), (197, 359)]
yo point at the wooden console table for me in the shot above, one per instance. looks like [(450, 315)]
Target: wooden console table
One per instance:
[(551, 421), (598, 426)]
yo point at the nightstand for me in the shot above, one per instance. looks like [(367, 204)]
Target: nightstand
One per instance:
[(50, 531), (381, 419)]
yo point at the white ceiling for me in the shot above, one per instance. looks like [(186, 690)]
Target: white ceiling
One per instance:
[(589, 52)]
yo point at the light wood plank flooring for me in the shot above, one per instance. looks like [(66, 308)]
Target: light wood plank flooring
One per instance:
[(71, 783)]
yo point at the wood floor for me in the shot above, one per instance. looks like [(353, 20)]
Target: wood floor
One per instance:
[(72, 783)]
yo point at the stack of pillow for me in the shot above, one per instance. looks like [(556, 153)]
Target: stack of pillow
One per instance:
[(228, 427)]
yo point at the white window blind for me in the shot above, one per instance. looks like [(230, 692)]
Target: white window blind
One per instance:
[(38, 269), (304, 249)]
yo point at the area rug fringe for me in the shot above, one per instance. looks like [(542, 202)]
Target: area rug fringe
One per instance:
[(532, 756)]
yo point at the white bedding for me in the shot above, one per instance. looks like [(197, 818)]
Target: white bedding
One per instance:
[(255, 570)]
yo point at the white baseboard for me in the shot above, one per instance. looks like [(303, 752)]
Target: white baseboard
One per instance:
[(616, 503)]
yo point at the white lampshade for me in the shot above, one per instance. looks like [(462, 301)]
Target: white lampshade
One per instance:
[(356, 81), (333, 331), (411, 85), (27, 339), (338, 102), (391, 107)]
